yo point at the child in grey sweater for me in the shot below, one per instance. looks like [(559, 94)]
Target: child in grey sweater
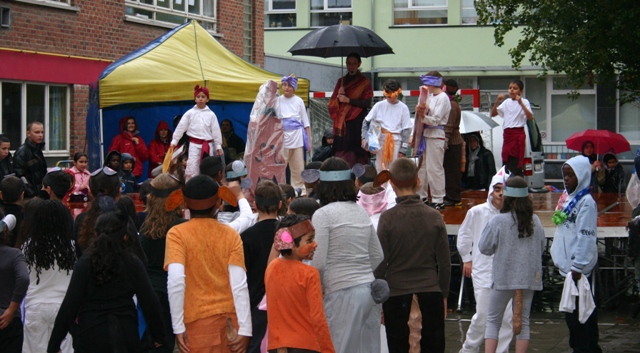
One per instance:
[(515, 238)]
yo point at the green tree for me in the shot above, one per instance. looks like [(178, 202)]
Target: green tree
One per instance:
[(591, 41)]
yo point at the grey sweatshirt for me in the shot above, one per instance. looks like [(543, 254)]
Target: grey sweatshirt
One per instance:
[(348, 247), (517, 262)]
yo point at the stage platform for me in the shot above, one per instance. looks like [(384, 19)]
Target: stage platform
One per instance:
[(614, 212)]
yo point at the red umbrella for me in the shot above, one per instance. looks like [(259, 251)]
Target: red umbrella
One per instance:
[(603, 141)]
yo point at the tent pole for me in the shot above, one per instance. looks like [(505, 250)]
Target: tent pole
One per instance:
[(101, 142)]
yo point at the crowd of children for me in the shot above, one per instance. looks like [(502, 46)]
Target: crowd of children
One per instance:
[(211, 270)]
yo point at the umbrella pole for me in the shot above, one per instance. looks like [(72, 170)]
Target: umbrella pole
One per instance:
[(342, 70)]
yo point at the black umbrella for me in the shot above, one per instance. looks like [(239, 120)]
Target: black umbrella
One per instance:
[(341, 40)]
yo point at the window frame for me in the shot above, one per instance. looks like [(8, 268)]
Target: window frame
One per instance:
[(154, 8), (462, 8), (415, 8), (326, 9), (270, 11), (46, 118), (58, 4), (270, 8)]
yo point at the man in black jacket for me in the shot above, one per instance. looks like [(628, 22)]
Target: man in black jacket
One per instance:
[(29, 163)]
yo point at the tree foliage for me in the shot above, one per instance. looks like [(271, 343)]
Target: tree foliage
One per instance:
[(591, 41)]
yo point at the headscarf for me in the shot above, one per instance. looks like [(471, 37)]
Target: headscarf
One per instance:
[(292, 80), (197, 89), (431, 80)]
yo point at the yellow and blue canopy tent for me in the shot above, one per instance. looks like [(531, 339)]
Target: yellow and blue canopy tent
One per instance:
[(156, 81)]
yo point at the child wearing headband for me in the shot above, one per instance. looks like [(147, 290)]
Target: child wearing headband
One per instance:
[(295, 123), (436, 116), (201, 124), (294, 293), (392, 119), (516, 240)]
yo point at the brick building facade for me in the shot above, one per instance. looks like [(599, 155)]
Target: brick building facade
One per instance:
[(53, 46)]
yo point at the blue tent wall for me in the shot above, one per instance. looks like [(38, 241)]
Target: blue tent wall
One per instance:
[(148, 115)]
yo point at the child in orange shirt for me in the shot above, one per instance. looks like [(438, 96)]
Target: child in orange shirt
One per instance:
[(294, 293)]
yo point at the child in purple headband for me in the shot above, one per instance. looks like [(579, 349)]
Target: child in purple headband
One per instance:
[(436, 115), (297, 134)]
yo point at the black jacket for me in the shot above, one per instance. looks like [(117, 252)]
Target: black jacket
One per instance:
[(29, 162), (6, 166), (484, 167)]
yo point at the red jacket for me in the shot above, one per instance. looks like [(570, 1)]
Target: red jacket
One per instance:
[(157, 148), (123, 144)]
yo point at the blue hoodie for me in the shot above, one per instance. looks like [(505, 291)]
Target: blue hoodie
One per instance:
[(575, 243)]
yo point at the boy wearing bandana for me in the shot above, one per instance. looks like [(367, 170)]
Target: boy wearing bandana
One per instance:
[(201, 125), (206, 282)]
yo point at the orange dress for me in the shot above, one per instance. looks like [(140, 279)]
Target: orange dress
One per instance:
[(294, 307)]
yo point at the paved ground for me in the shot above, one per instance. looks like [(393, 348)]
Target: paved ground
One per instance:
[(619, 333)]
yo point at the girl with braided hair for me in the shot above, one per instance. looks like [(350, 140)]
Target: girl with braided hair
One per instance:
[(50, 254), (100, 295)]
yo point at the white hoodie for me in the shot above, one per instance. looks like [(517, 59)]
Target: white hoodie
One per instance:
[(469, 236), (575, 243)]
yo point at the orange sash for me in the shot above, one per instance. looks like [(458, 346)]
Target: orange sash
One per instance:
[(388, 149)]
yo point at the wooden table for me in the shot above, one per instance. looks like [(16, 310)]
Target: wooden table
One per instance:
[(614, 212)]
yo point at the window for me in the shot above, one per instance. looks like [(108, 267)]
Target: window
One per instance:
[(330, 12), (469, 14), (570, 115), (279, 13), (26, 102), (630, 121), (169, 13), (419, 12)]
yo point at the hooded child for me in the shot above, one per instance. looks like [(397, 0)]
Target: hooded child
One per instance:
[(129, 141), (480, 165), (201, 125), (207, 281), (479, 267), (159, 146), (326, 149), (575, 246), (127, 176)]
